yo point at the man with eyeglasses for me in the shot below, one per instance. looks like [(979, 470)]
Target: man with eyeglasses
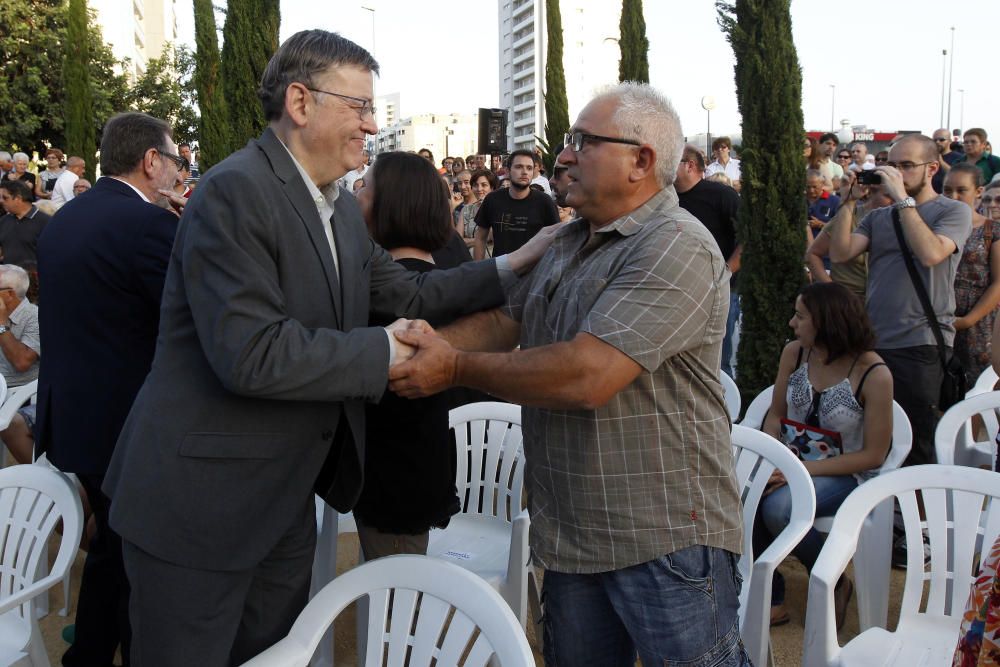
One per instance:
[(935, 229), (513, 215), (724, 163), (104, 259), (946, 157), (264, 365), (975, 143), (634, 508)]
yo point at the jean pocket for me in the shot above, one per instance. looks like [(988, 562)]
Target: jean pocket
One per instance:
[(690, 567)]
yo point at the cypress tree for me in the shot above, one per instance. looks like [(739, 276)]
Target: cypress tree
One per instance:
[(81, 135), (556, 104), (250, 38), (213, 127), (772, 219), (634, 63)]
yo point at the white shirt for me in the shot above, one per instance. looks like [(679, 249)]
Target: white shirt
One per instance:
[(62, 192), (137, 190), (730, 169), (347, 182), (544, 182)]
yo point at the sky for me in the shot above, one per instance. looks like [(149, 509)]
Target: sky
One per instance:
[(883, 56)]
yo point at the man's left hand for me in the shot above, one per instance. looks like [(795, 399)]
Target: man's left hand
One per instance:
[(892, 183), (432, 369)]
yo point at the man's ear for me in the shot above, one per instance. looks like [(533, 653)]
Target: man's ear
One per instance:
[(645, 163), (297, 102)]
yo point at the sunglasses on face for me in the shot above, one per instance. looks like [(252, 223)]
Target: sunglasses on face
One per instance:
[(988, 200)]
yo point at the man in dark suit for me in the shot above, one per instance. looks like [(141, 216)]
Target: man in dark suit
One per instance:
[(104, 258), (263, 366)]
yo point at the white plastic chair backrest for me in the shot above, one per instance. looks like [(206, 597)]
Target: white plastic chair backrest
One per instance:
[(754, 418), (490, 471), (3, 389), (756, 456), (33, 499), (960, 504), (420, 610), (902, 440), (984, 383), (15, 398), (733, 399), (953, 431)]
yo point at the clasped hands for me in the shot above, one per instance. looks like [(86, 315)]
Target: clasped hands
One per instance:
[(425, 363)]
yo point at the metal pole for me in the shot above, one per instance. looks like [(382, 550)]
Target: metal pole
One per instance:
[(708, 139), (833, 97), (944, 64), (951, 72), (961, 112)]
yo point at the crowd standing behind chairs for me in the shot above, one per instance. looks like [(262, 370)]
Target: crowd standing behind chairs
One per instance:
[(861, 339)]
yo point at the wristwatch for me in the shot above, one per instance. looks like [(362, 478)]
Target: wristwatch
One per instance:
[(909, 202), (4, 329)]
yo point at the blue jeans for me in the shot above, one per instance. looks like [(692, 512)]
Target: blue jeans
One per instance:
[(680, 608), (727, 341), (775, 511)]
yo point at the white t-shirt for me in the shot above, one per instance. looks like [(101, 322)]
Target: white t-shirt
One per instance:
[(731, 169), (544, 182), (63, 190)]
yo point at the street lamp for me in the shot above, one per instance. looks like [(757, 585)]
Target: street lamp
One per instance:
[(708, 103), (845, 134), (951, 77), (833, 97), (944, 65), (961, 109)]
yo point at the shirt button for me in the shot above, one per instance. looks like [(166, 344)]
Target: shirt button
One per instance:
[(327, 434)]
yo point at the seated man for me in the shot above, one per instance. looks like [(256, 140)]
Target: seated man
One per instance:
[(20, 345)]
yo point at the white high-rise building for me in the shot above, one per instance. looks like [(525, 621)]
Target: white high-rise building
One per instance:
[(442, 134), (590, 59), (137, 30)]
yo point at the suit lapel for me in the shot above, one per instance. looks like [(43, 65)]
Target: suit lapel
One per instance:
[(297, 193)]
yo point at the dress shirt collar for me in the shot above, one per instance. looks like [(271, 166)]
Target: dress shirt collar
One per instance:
[(322, 198), (631, 222), (137, 190)]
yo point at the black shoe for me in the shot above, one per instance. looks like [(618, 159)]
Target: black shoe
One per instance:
[(899, 550)]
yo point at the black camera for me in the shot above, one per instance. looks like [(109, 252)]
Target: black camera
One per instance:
[(869, 177)]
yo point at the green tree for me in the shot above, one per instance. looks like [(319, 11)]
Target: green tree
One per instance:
[(556, 104), (33, 43), (81, 135), (166, 90), (773, 216), (634, 63), (249, 39), (213, 127)]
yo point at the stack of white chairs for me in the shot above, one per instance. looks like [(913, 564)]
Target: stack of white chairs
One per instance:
[(962, 511), (757, 455), (421, 612), (33, 500)]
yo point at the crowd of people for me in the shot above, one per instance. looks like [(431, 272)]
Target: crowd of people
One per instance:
[(299, 320)]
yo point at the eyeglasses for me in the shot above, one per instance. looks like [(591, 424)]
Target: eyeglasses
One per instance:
[(987, 200), (907, 166), (178, 161), (362, 106), (575, 140), (941, 139), (844, 157), (881, 160)]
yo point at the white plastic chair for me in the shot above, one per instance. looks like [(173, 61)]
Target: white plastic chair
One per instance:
[(757, 455), (756, 411), (14, 399), (873, 558), (490, 535), (961, 510), (32, 501), (984, 383), (413, 601), (954, 440), (733, 399)]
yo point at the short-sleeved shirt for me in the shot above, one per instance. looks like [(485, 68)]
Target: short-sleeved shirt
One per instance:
[(989, 165), (937, 181), (825, 207), (650, 472), (730, 169), (893, 305), (24, 327), (19, 237), (515, 221), (831, 170)]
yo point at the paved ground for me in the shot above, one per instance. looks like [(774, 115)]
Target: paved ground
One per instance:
[(786, 640)]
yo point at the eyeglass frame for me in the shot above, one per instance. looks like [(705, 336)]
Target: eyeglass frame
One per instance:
[(844, 157), (907, 166), (989, 200), (576, 140), (179, 162), (365, 108)]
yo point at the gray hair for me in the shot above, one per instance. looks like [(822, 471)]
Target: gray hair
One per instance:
[(300, 58), (13, 276), (645, 114), (126, 138), (21, 156), (5, 156)]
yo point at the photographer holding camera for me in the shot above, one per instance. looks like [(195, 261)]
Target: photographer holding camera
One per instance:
[(933, 228)]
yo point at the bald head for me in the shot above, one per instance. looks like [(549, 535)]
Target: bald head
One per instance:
[(922, 145), (77, 165)]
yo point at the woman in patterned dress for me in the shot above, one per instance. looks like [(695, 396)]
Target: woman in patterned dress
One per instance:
[(977, 282)]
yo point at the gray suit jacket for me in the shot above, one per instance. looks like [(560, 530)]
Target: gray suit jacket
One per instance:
[(262, 355)]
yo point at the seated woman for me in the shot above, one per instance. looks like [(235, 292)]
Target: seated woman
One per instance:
[(410, 458), (829, 378)]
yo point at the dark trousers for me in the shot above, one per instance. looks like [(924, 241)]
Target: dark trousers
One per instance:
[(184, 616), (102, 610), (916, 386)]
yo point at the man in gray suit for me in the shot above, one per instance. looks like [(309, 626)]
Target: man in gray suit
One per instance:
[(263, 365)]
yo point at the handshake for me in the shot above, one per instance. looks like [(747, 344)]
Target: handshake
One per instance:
[(424, 363)]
